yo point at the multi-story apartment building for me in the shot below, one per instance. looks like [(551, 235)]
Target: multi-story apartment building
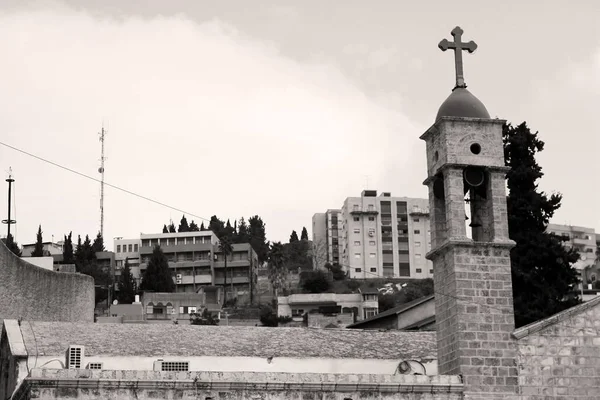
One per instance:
[(584, 241), (197, 261), (326, 228), (379, 236)]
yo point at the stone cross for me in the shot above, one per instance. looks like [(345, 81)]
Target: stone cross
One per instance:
[(458, 47)]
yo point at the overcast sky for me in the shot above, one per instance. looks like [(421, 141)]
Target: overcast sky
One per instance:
[(275, 108)]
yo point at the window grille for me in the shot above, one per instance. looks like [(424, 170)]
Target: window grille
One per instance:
[(95, 365), (176, 366)]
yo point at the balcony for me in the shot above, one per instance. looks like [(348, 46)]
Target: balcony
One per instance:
[(363, 211), (417, 211), (583, 242), (178, 248), (182, 264), (232, 263), (236, 279), (200, 279)]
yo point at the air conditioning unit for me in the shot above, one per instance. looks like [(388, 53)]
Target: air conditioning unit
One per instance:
[(178, 281), (178, 276), (75, 356)]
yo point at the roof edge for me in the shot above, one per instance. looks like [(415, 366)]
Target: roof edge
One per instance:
[(14, 337), (396, 310), (537, 326)]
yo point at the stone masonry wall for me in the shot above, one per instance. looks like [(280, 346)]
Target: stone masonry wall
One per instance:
[(562, 361), (123, 385), (34, 293), (474, 316)]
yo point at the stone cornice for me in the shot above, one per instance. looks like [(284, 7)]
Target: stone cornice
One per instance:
[(446, 166), (434, 128), (466, 242)]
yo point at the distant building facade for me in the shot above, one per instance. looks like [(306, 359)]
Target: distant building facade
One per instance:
[(127, 249), (362, 305), (584, 240), (197, 261), (50, 249), (377, 236), (326, 237)]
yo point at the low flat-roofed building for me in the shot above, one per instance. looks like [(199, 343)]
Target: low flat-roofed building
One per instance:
[(418, 314), (56, 360)]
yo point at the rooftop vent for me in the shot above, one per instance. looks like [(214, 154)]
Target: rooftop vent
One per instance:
[(94, 365), (172, 366), (75, 357)]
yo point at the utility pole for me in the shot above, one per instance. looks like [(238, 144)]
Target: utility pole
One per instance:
[(101, 171), (9, 221)]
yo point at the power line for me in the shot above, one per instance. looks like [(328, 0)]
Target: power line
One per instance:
[(105, 183)]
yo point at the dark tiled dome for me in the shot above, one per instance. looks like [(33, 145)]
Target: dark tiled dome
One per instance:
[(461, 103)]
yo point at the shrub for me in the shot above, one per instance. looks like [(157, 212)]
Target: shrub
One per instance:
[(316, 282)]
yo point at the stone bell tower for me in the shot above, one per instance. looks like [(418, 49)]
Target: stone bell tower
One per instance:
[(472, 274)]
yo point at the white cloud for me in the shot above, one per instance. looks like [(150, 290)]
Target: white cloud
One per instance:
[(200, 116)]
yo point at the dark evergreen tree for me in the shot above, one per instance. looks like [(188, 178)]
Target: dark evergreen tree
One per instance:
[(98, 244), (226, 248), (304, 234), (202, 228), (258, 238), (277, 267), (194, 227), (216, 226), (126, 293), (68, 256), (78, 250), (172, 228), (243, 235), (158, 276), (38, 250), (13, 246), (294, 237), (165, 229), (183, 225), (542, 273)]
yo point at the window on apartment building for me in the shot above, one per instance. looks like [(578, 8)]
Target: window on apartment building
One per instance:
[(357, 270), (372, 255), (355, 207), (431, 271), (357, 242), (130, 248), (417, 255), (356, 219), (371, 207), (135, 248), (372, 243), (404, 269), (415, 219), (118, 248), (417, 244), (371, 218), (356, 230), (417, 232), (419, 270), (373, 269), (369, 312), (356, 255)]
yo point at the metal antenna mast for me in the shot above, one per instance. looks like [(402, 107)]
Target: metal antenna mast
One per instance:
[(9, 221), (101, 171)]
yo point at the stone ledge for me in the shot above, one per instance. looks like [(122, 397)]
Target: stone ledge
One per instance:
[(433, 129), (450, 243), (554, 319), (251, 381), (446, 166)]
